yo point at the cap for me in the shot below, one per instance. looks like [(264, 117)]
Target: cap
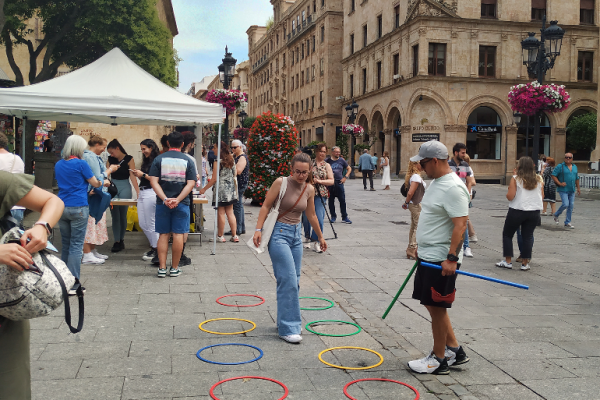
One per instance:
[(431, 149)]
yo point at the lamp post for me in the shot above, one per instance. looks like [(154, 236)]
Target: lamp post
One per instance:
[(352, 111), (226, 73), (539, 60), (242, 115)]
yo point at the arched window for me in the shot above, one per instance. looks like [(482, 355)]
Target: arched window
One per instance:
[(484, 134)]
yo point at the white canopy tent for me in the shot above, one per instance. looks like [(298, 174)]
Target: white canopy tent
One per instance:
[(111, 90)]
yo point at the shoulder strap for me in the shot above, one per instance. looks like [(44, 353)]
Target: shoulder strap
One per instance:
[(282, 190), (296, 203)]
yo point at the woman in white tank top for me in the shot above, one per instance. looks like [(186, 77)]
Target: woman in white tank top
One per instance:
[(525, 194)]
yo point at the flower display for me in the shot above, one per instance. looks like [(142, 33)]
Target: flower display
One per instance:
[(232, 100), (241, 133), (353, 129), (271, 144), (529, 98)]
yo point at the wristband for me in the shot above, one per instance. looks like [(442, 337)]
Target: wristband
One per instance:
[(258, 230), (165, 200)]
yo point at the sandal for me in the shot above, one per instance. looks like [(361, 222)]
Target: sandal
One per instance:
[(221, 239), (235, 239)]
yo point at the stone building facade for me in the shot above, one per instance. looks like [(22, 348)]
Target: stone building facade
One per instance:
[(295, 66), (424, 69)]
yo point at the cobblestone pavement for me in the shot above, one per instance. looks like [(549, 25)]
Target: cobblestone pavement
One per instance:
[(141, 333)]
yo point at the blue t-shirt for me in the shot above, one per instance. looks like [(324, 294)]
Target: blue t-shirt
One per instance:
[(72, 176), (564, 175), (339, 167), (174, 169)]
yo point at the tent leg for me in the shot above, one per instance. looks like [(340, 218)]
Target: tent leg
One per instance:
[(216, 193)]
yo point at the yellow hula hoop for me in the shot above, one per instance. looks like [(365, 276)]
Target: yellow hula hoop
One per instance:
[(353, 368), (226, 333)]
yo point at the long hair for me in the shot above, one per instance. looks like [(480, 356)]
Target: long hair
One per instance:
[(226, 156), (526, 173), (154, 152), (412, 169), (304, 158), (114, 144)]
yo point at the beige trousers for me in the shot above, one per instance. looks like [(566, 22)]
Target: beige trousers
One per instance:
[(415, 211)]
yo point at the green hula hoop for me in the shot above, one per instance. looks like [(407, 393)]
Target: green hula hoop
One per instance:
[(317, 308), (333, 320)]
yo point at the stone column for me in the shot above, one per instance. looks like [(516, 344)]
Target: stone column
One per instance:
[(573, 42), (559, 137), (454, 51), (509, 151), (388, 142), (454, 134), (423, 51), (503, 54), (474, 54), (408, 150)]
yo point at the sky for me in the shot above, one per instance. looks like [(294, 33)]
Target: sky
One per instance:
[(206, 27)]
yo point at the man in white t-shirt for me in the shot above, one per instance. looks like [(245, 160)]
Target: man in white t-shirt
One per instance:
[(440, 236), (12, 163)]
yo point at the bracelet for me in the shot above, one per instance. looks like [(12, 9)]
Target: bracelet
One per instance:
[(258, 230)]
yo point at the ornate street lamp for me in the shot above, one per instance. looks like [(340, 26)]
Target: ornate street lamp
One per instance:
[(226, 73), (517, 118), (539, 60), (352, 112)]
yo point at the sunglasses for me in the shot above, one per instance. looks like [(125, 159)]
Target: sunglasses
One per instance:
[(424, 162), (568, 157), (234, 147)]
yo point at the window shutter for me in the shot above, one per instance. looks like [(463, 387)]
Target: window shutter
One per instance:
[(488, 2), (539, 4), (587, 4)]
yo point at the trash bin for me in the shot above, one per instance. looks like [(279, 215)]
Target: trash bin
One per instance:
[(44, 169)]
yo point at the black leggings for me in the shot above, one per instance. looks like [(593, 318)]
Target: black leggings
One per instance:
[(527, 221)]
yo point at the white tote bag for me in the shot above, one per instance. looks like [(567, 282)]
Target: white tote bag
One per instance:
[(269, 224)]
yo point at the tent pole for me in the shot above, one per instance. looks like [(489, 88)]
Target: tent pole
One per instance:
[(216, 193)]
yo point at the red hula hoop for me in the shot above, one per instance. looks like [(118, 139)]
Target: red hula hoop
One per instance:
[(235, 305), (378, 379), (212, 395)]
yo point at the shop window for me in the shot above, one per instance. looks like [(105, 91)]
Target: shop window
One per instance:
[(487, 61), (586, 12), (484, 134), (488, 8), (585, 66), (437, 59), (538, 9)]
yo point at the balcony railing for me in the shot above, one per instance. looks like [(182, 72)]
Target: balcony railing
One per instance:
[(301, 28), (260, 63)]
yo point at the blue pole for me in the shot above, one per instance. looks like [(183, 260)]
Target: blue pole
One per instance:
[(485, 278)]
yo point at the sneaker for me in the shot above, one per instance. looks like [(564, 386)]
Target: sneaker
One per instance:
[(333, 219), (545, 214), (372, 189), (318, 247), (235, 239), (556, 220), (504, 264), (116, 247), (221, 239), (430, 365), (149, 255), (468, 252), (365, 188), (162, 273), (525, 267), (295, 339), (90, 258), (346, 220), (98, 255), (308, 245), (174, 272), (458, 358), (155, 260), (569, 226), (473, 239), (184, 260), (76, 285)]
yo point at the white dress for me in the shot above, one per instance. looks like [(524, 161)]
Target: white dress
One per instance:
[(385, 178)]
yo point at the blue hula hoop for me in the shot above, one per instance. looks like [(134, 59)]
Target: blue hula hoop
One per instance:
[(229, 344)]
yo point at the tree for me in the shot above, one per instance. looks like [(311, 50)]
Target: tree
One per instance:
[(2, 16), (581, 132)]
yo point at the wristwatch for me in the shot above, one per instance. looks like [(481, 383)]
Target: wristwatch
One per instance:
[(452, 258), (45, 225)]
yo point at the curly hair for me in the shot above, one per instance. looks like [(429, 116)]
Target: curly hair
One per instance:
[(412, 169)]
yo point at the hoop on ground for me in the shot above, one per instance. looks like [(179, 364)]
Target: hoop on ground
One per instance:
[(228, 344), (378, 379), (317, 308), (227, 319), (330, 334), (212, 394), (247, 295), (352, 368)]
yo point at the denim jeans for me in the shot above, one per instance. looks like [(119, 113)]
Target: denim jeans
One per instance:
[(18, 214), (238, 211), (568, 200), (466, 241), (285, 250), (320, 211), (337, 190), (73, 224)]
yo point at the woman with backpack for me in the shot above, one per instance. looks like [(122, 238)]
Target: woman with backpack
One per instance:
[(415, 187)]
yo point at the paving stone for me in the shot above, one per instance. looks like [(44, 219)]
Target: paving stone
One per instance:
[(575, 388), (503, 392), (125, 366), (84, 388)]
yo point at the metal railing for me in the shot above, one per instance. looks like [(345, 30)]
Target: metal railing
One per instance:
[(307, 23), (591, 181)]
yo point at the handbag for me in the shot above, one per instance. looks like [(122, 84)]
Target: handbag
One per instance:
[(269, 224), (112, 189), (38, 291), (404, 190)]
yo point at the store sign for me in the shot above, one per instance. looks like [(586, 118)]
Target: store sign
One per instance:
[(485, 128), (426, 128), (425, 137)]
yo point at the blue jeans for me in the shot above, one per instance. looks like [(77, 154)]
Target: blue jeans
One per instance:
[(238, 211), (18, 215), (73, 224), (337, 190), (568, 200), (466, 242), (285, 250), (320, 210)]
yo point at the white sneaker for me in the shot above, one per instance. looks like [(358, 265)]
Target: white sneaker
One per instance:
[(468, 252), (429, 365), (569, 226), (525, 267), (292, 338), (504, 264), (556, 220), (89, 258), (473, 239), (98, 255), (308, 245), (318, 247)]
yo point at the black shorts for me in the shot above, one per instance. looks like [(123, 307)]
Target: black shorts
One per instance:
[(433, 289)]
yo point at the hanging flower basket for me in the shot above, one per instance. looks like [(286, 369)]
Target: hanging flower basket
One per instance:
[(232, 100), (529, 98), (241, 133), (353, 129)]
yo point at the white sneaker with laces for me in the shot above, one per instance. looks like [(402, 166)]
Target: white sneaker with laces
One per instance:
[(307, 245), (295, 339), (318, 247), (525, 267), (429, 365), (556, 220), (89, 258), (98, 255), (468, 252), (504, 264), (473, 239)]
